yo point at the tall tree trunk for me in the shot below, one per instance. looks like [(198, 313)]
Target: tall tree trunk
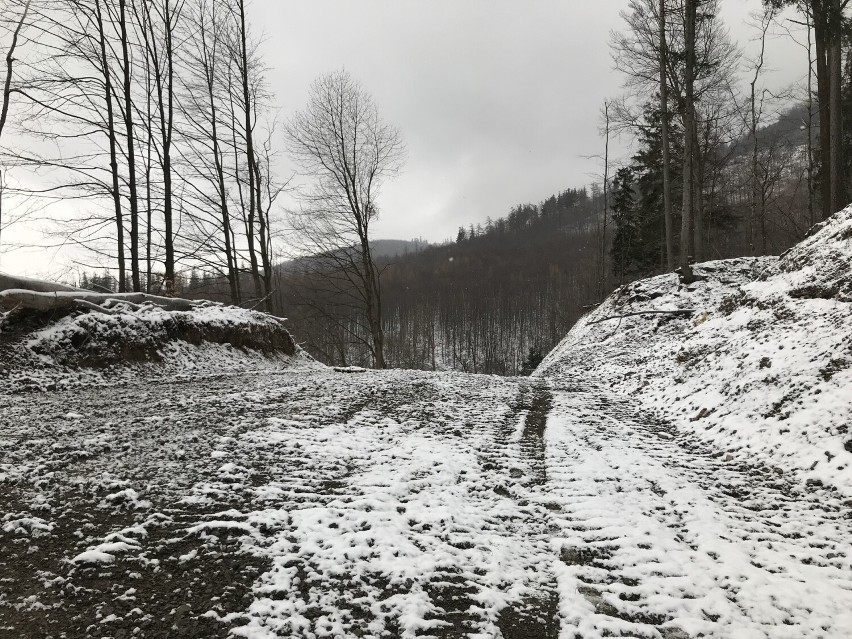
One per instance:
[(263, 237), (689, 138), (10, 60), (755, 178), (209, 59), (113, 154), (824, 101), (835, 55), (149, 120), (374, 318), (223, 195), (131, 151), (7, 91), (372, 297), (699, 165), (757, 205), (249, 150), (149, 212), (167, 125), (697, 195), (810, 122), (664, 126), (602, 285)]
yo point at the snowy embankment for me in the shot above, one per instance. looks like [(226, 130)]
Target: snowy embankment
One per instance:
[(761, 366), (60, 348)]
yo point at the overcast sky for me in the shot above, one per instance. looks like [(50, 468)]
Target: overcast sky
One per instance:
[(498, 100)]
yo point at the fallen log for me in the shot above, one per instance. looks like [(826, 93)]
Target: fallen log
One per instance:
[(678, 311), (55, 300), (28, 284)]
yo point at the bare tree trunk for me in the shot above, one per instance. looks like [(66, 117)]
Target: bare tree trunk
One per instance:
[(239, 183), (664, 125), (7, 92), (699, 165), (697, 195), (163, 66), (810, 123), (113, 154), (223, 200), (835, 55), (167, 120), (149, 213), (249, 150), (689, 138), (8, 282), (757, 207), (210, 39), (823, 99), (149, 130), (374, 304), (602, 285), (10, 59), (263, 239), (131, 150)]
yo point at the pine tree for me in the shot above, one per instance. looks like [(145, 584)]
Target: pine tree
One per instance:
[(626, 240)]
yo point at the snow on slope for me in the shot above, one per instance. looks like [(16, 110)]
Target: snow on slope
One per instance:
[(760, 368)]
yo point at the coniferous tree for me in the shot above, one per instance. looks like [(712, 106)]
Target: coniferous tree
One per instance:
[(626, 239)]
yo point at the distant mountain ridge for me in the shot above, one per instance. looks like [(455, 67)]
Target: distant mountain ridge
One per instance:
[(384, 249)]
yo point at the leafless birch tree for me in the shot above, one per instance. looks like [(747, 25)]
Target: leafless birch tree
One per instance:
[(341, 144)]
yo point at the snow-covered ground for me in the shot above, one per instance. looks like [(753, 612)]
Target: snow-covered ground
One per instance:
[(662, 476), (316, 503), (712, 470), (302, 503)]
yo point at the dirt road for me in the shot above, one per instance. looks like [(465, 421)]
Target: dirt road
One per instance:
[(397, 504)]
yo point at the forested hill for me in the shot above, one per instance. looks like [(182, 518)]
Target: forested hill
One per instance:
[(481, 302), (504, 292)]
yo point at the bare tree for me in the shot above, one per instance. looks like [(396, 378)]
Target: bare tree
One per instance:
[(128, 108), (837, 191), (666, 150), (7, 90), (206, 65), (607, 126), (757, 208), (341, 143), (241, 60), (826, 17), (10, 61), (679, 49), (159, 24), (688, 218)]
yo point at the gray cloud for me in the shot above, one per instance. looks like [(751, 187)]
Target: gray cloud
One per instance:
[(497, 100)]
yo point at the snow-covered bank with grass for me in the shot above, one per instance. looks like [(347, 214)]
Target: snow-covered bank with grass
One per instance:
[(761, 368), (58, 348)]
